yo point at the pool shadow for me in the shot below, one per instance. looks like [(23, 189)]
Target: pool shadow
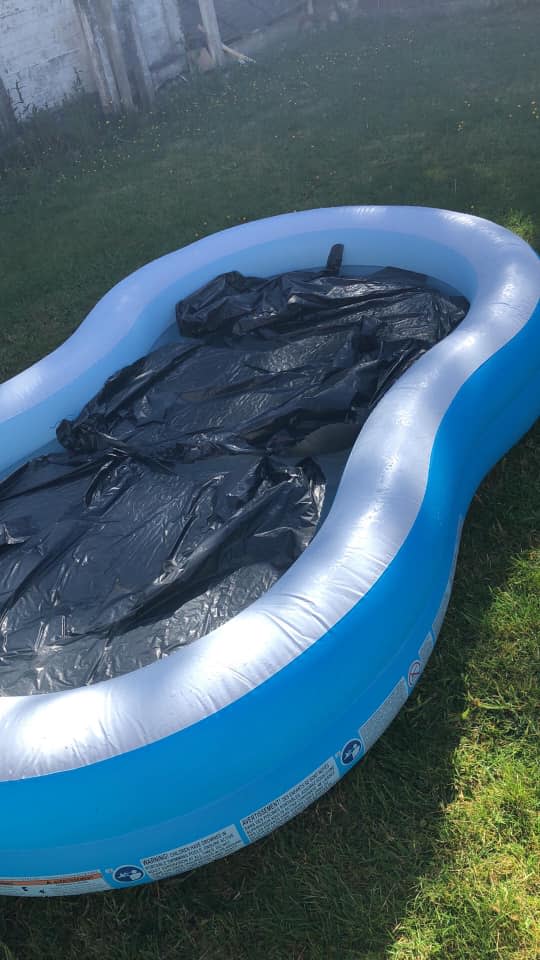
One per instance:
[(336, 881)]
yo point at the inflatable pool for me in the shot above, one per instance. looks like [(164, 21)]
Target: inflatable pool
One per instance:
[(189, 759)]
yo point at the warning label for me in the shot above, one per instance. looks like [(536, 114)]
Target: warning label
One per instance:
[(441, 613), (54, 886), (378, 721), (193, 855), (426, 650), (281, 809)]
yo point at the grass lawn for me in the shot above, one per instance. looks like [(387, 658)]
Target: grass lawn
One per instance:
[(430, 847)]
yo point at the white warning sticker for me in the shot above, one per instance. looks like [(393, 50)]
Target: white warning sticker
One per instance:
[(278, 811), (192, 855), (62, 886), (426, 650), (380, 720), (441, 613)]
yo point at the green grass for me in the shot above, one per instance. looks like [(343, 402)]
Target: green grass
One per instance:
[(429, 848)]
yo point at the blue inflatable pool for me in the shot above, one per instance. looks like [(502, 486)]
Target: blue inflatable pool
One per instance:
[(189, 759)]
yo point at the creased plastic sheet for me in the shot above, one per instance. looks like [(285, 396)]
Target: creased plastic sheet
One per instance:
[(198, 474)]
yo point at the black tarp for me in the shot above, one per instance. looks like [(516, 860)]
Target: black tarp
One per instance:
[(198, 474)]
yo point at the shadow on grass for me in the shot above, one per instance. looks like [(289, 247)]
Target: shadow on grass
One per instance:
[(337, 881)]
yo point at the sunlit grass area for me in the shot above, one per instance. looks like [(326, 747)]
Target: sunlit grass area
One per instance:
[(430, 847)]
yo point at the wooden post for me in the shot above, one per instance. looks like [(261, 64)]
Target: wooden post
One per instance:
[(98, 54), (8, 121), (106, 53), (211, 29), (116, 52), (136, 55)]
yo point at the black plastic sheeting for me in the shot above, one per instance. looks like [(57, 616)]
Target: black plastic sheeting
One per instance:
[(199, 474)]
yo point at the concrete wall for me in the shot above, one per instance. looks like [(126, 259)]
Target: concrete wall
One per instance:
[(44, 56), (162, 35), (42, 52)]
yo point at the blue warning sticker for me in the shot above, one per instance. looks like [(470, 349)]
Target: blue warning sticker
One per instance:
[(128, 874), (351, 751), (415, 670)]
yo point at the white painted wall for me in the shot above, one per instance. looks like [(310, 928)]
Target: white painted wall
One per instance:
[(42, 49), (163, 42)]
